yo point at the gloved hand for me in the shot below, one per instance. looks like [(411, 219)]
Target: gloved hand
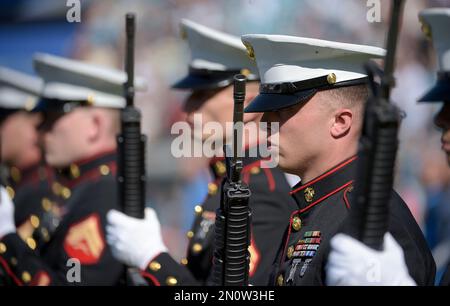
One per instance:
[(133, 241), (351, 263), (6, 213)]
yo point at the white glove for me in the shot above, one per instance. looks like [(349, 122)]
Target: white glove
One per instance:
[(351, 263), (134, 241), (6, 213)]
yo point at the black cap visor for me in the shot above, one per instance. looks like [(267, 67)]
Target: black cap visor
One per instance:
[(200, 79), (274, 97), (440, 92)]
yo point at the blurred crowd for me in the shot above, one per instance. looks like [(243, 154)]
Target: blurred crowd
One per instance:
[(175, 186)]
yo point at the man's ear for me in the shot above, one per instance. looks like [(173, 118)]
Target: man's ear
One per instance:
[(341, 123)]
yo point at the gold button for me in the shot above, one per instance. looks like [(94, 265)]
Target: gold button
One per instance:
[(220, 168), (183, 33), (290, 251), (197, 248), (66, 193), (198, 210), (280, 280), (74, 171), (2, 248), (296, 223), (15, 174), (190, 234), (212, 188), (13, 261), (331, 78), (31, 243), (34, 220), (154, 266), (171, 281), (90, 99), (56, 188), (309, 194), (245, 72), (104, 169), (10, 192), (46, 204), (255, 170), (30, 103), (426, 29), (45, 234), (26, 277), (184, 261), (250, 51)]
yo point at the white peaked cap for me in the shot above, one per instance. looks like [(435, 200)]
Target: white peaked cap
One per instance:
[(306, 65), (215, 57), (68, 80), (436, 26), (18, 90)]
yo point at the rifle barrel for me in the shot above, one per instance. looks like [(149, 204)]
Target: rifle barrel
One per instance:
[(129, 58), (387, 81)]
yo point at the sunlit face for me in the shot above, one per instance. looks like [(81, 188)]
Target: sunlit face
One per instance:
[(303, 130), (442, 120), (66, 140), (20, 139), (214, 105)]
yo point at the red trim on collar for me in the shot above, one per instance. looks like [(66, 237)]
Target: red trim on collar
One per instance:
[(94, 157), (308, 207), (328, 173), (270, 178), (10, 273), (325, 196), (92, 174), (347, 203)]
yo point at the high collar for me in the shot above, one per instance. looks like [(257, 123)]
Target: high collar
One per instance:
[(29, 175), (309, 194), (89, 168)]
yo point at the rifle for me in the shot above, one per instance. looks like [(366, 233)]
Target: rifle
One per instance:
[(232, 228), (378, 147), (131, 147)]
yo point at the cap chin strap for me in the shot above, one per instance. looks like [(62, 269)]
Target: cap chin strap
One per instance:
[(320, 83)]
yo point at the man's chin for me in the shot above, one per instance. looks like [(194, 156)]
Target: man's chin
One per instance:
[(54, 162)]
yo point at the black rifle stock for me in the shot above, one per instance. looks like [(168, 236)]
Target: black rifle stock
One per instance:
[(378, 147), (232, 228), (131, 147)]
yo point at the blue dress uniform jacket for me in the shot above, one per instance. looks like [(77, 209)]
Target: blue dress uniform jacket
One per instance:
[(90, 191), (30, 190), (323, 206), (271, 207)]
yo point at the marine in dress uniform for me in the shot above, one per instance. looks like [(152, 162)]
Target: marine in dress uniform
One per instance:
[(88, 186), (435, 24), (293, 71), (27, 181), (28, 186), (216, 58)]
